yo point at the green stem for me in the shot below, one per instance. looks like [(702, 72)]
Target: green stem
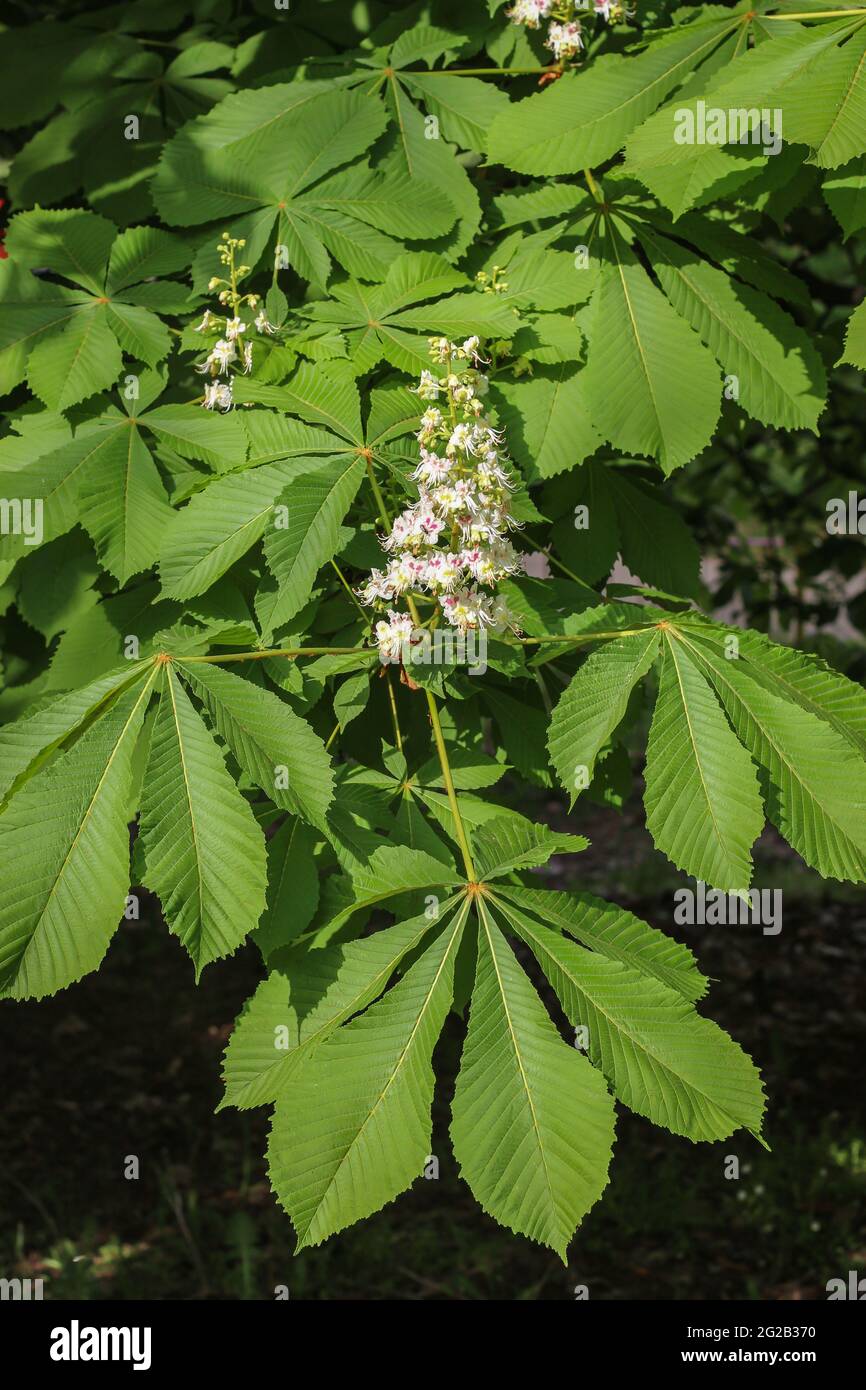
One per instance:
[(349, 590), (489, 72), (592, 185), (584, 637), (262, 652), (460, 829), (814, 14), (377, 493), (394, 717)]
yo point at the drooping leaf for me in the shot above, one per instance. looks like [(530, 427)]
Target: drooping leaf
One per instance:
[(204, 852), (532, 1123)]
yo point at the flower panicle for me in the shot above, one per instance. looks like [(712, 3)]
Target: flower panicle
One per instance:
[(233, 351), (452, 544)]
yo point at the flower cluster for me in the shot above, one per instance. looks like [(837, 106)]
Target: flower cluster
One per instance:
[(564, 32), (452, 542), (232, 351)]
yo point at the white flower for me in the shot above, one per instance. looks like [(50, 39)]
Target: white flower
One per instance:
[(378, 586), (218, 395), (218, 358), (234, 328), (248, 357), (205, 324), (428, 387), (264, 325), (440, 349), (391, 635), (431, 424), (432, 468), (461, 439), (529, 12), (564, 40)]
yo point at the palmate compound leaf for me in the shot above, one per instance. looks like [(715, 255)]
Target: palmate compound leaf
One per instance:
[(391, 322), (669, 389), (205, 855), (354, 1129), (703, 805), (802, 726), (273, 160), (64, 855), (812, 779), (273, 745), (304, 999), (69, 342), (662, 1058), (533, 1123)]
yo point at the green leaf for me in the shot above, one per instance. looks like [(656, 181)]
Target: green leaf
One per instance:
[(321, 399), (804, 678), (814, 790), (668, 390), (218, 440), (533, 1122), (465, 107), (507, 843), (25, 744), (74, 243), (218, 526), (661, 1057), (615, 934), (702, 800), (779, 375), (32, 310), (387, 872), (304, 534), (585, 117), (81, 359), (594, 704), (293, 886), (301, 1002), (123, 504), (64, 851), (205, 854), (549, 420), (273, 745), (855, 338), (354, 1130), (845, 194)]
